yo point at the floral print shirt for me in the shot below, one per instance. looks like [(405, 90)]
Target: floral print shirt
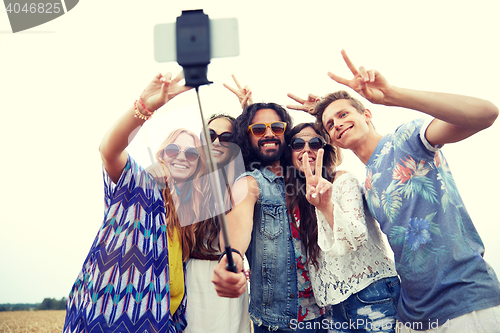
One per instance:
[(410, 190), (308, 309)]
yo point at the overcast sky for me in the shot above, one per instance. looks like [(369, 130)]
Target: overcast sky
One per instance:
[(63, 84)]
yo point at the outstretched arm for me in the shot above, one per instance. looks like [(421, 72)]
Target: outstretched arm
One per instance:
[(239, 223), (244, 94), (159, 91), (456, 117)]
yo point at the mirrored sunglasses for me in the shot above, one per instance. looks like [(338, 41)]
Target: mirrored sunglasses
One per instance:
[(172, 150)]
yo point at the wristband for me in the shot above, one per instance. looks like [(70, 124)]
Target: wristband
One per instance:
[(232, 250), (138, 114)]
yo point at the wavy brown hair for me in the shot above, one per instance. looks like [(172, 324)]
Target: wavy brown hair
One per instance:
[(188, 211), (207, 232), (296, 192)]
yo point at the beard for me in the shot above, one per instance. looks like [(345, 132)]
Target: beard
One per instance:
[(271, 156)]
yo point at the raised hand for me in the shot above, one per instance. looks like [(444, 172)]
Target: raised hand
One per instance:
[(318, 189), (160, 174), (369, 84), (306, 105), (162, 89), (244, 94)]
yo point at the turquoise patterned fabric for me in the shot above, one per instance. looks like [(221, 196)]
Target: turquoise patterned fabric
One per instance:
[(124, 283), (410, 190)]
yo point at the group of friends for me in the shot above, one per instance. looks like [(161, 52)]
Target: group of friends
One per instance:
[(306, 238)]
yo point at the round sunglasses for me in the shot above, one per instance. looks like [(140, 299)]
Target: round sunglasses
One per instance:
[(315, 143), (224, 138), (173, 150), (259, 129)]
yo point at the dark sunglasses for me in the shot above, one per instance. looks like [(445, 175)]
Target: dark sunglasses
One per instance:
[(259, 129), (315, 143), (172, 150), (223, 137)]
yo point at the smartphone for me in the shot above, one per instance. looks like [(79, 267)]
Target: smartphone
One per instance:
[(224, 41)]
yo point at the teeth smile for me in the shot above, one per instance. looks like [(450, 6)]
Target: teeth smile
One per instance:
[(344, 132), (269, 144), (179, 166)]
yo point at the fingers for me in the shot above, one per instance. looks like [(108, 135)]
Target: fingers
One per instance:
[(228, 284), (306, 167), (236, 81), (311, 195), (296, 98), (234, 91), (323, 186), (297, 107), (166, 77), (247, 99), (313, 98), (179, 77), (349, 63), (319, 162), (338, 79)]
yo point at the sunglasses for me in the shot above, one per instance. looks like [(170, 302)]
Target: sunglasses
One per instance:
[(315, 143), (259, 129), (172, 150), (223, 137)]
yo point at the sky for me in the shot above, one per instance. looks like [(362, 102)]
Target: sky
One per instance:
[(64, 83)]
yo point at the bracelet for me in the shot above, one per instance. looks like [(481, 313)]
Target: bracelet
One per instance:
[(149, 113), (138, 114), (232, 250)]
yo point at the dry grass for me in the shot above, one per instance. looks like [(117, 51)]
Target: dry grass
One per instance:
[(32, 321)]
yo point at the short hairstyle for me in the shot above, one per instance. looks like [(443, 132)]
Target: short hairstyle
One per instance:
[(240, 128), (329, 99)]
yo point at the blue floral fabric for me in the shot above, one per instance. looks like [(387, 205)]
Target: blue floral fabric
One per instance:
[(410, 190)]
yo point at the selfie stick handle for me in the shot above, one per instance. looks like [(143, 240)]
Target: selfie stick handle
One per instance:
[(214, 176), (193, 54)]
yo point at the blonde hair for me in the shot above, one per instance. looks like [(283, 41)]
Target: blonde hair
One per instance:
[(189, 211)]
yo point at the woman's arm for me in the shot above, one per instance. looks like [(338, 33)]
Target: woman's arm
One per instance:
[(112, 148)]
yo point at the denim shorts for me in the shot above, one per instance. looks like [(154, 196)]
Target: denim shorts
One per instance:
[(373, 309)]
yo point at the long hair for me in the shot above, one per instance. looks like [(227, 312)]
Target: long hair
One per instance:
[(296, 192), (177, 208), (240, 129), (207, 232)]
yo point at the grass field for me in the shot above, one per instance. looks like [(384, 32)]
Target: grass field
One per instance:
[(32, 321)]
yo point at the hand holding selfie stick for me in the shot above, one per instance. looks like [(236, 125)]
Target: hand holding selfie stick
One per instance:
[(193, 54)]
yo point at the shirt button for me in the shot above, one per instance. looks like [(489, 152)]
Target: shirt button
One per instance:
[(291, 266), (292, 295), (290, 238)]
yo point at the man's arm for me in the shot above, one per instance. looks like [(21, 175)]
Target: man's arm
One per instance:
[(456, 117), (239, 223)]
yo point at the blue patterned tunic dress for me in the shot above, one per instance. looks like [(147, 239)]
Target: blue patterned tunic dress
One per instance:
[(124, 284)]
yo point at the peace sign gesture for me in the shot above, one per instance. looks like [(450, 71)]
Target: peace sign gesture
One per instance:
[(162, 89), (319, 190), (369, 84), (306, 105), (244, 94)]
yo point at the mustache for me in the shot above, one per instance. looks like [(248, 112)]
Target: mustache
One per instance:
[(264, 141)]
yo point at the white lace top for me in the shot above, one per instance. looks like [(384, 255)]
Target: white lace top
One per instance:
[(353, 254)]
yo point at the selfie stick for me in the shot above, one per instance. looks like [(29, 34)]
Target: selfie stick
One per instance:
[(193, 54)]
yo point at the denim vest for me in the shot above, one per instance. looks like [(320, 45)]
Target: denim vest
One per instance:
[(274, 295)]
